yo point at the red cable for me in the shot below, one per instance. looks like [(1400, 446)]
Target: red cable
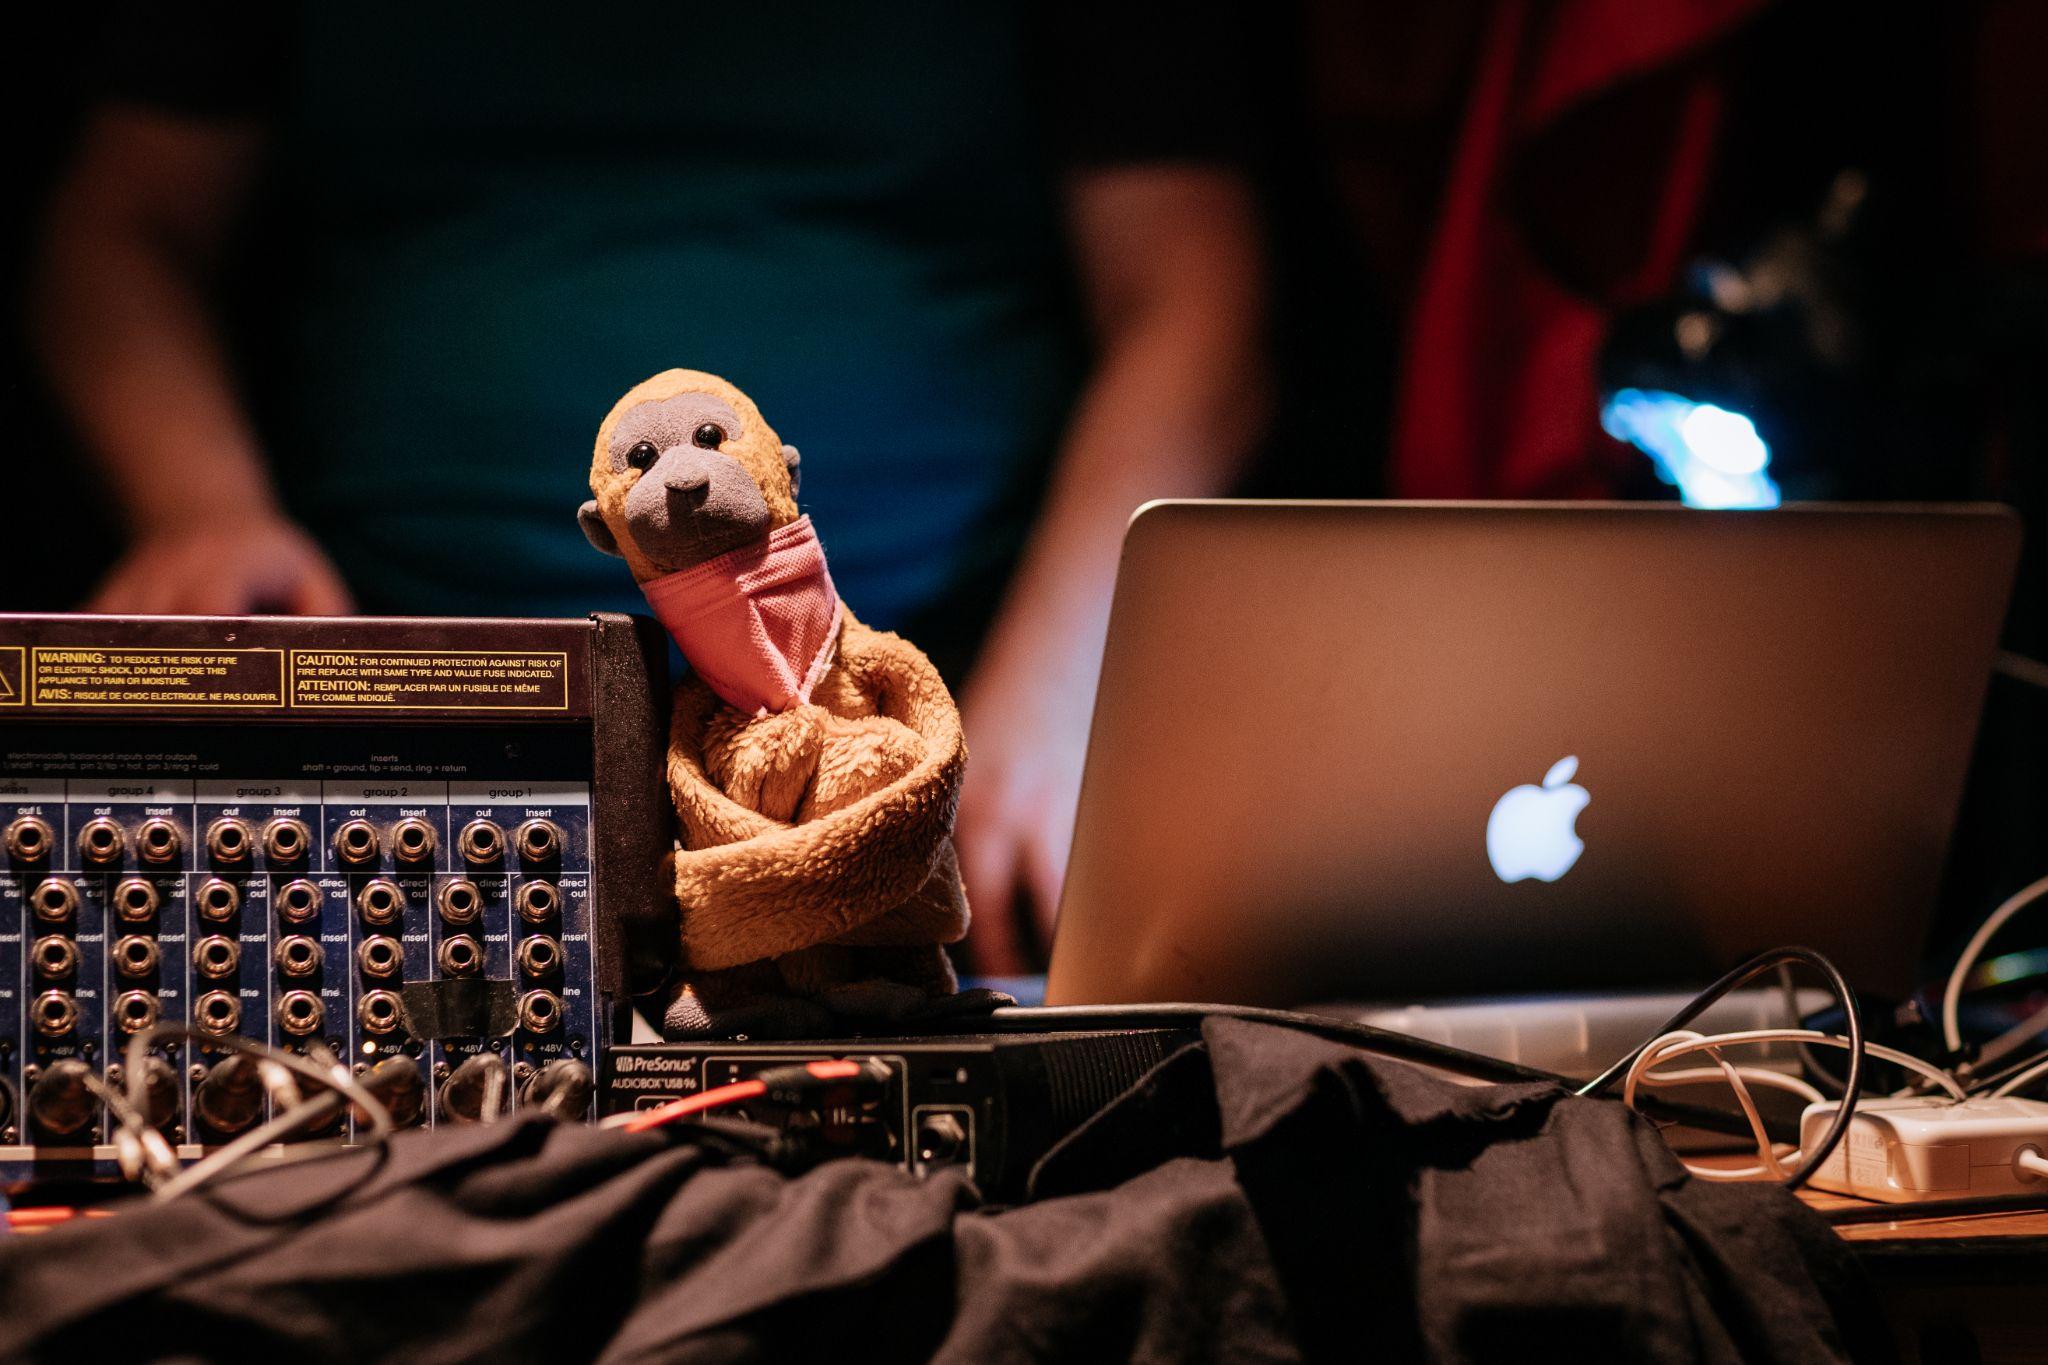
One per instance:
[(715, 1098), (46, 1215), (800, 1076)]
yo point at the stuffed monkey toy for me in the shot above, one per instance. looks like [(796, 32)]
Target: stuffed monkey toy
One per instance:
[(815, 763)]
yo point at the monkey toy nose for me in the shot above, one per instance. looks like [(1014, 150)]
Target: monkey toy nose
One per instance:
[(685, 471)]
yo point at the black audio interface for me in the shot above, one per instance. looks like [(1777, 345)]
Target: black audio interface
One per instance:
[(439, 839), (993, 1103)]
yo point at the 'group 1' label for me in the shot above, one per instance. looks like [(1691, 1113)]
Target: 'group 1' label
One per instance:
[(428, 680)]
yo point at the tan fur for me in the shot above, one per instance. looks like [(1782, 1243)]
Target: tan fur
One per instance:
[(818, 839)]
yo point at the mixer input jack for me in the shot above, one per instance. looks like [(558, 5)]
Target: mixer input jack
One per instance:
[(460, 903), (540, 955), (54, 1014), (298, 901), (158, 842), (136, 956), (217, 1013), (404, 1092), (381, 902), (538, 841), (380, 956), (229, 1097), (285, 840), (55, 957), (539, 902), (60, 1101), (216, 957), (29, 839), (413, 840), (218, 900), (380, 1013), (101, 842), (460, 956), (300, 1013), (135, 1011), (479, 1089), (55, 901), (540, 1011), (228, 840), (298, 956), (355, 843), (482, 843), (135, 900)]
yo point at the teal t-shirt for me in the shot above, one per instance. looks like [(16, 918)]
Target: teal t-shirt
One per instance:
[(489, 221)]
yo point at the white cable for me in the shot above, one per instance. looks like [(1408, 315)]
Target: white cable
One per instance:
[(140, 1150), (336, 1078), (1952, 994), (1723, 1070), (1766, 1152), (1754, 1075), (497, 1090), (1800, 1035), (2024, 1079), (2033, 1163), (335, 1081), (255, 1140), (1685, 1042)]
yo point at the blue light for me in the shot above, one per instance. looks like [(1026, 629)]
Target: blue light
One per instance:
[(1714, 457)]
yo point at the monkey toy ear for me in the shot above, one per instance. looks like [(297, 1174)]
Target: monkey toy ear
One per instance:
[(594, 529), (794, 461)]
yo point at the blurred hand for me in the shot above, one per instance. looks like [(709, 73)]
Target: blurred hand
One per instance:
[(1027, 735), (1169, 265), (264, 564)]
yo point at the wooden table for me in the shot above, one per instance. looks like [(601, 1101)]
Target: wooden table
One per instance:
[(1969, 1286)]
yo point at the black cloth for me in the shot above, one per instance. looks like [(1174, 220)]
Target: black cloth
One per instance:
[(1261, 1196)]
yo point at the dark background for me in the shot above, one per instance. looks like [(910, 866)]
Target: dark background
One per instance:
[(1946, 275)]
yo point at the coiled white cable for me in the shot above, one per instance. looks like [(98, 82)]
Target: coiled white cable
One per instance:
[(1771, 1160)]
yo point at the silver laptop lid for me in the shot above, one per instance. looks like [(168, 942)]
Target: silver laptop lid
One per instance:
[(1397, 750)]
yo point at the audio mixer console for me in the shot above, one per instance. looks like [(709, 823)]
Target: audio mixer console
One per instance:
[(438, 839)]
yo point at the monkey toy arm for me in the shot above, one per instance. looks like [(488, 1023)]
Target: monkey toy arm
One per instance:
[(752, 887)]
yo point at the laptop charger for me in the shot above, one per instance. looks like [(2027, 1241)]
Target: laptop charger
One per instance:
[(1921, 1149)]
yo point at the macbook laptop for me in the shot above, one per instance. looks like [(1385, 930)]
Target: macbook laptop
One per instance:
[(1414, 752)]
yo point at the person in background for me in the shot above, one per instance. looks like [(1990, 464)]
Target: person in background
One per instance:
[(335, 295)]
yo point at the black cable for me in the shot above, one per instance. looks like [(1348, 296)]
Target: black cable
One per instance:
[(1852, 1013), (1402, 1045)]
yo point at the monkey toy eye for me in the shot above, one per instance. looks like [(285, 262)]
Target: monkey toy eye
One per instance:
[(642, 455), (707, 436)]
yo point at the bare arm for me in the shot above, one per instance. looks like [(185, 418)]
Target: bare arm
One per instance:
[(1170, 266), (125, 327)]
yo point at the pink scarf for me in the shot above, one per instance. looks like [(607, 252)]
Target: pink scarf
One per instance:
[(760, 624)]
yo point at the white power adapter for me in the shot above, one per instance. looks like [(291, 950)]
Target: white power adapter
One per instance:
[(1923, 1148)]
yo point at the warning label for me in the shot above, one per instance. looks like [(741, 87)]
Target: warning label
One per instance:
[(213, 678), (428, 680), (13, 685)]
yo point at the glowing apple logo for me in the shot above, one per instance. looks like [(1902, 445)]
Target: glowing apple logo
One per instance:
[(1530, 832)]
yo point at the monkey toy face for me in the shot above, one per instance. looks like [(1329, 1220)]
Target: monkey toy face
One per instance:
[(685, 470)]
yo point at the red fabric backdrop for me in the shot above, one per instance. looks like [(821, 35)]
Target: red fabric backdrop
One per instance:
[(1519, 169)]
